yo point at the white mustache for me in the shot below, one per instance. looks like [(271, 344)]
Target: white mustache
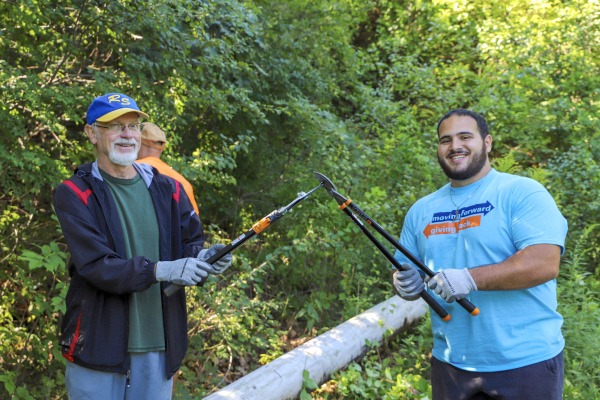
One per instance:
[(125, 142)]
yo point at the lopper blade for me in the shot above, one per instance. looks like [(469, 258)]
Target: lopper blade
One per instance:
[(330, 187)]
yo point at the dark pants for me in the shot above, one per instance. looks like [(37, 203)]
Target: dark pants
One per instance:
[(543, 380)]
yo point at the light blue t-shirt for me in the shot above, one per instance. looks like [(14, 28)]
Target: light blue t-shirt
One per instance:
[(498, 215)]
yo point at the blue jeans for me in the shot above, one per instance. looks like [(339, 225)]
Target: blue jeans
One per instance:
[(148, 381), (543, 380)]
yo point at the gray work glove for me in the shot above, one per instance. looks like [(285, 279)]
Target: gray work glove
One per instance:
[(452, 284), (220, 266), (408, 282), (185, 271)]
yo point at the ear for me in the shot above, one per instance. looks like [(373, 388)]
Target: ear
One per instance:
[(488, 143), (91, 134)]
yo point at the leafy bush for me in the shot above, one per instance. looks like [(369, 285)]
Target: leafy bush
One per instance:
[(398, 369), (579, 303), (575, 182), (254, 97)]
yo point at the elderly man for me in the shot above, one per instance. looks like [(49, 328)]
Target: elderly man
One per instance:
[(127, 229)]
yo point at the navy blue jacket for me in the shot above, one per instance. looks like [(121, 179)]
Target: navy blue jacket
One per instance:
[(94, 329)]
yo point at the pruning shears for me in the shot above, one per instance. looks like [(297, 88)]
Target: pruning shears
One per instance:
[(352, 210), (257, 228)]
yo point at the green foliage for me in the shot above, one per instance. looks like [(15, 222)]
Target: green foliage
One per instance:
[(308, 385), (507, 164), (254, 97), (575, 180), (27, 339), (579, 295), (396, 370)]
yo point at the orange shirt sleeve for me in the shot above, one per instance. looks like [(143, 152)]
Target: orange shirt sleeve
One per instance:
[(166, 169)]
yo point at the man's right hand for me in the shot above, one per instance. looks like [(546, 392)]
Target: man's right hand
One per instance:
[(408, 282), (185, 271)]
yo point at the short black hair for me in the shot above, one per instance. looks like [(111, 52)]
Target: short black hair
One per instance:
[(461, 112)]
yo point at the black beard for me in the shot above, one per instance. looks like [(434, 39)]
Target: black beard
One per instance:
[(473, 169)]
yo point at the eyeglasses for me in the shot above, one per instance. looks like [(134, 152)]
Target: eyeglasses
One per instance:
[(120, 128)]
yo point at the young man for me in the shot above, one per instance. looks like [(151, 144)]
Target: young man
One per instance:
[(495, 239), (127, 228)]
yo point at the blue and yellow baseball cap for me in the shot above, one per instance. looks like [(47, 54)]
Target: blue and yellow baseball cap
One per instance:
[(110, 106)]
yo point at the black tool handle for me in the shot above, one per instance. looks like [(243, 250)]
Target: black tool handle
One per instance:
[(435, 306), (466, 304), (257, 228), (172, 288)]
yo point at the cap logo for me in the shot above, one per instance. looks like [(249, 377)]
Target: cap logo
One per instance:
[(118, 99), (110, 106)]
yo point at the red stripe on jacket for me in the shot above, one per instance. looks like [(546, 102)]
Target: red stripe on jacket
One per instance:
[(82, 194), (69, 354), (177, 192)]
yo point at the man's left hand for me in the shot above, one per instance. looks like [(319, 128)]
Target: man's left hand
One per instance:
[(219, 266), (452, 284)]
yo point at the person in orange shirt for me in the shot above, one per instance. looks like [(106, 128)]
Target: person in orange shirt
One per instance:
[(154, 142)]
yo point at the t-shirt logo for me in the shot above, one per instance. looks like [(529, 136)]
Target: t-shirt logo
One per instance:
[(447, 222)]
